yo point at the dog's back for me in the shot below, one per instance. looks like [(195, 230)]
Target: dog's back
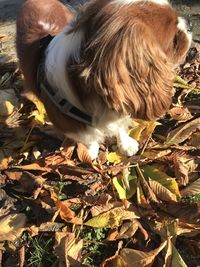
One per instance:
[(37, 19)]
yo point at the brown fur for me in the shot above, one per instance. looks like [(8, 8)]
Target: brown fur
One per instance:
[(29, 33), (127, 59), (133, 67)]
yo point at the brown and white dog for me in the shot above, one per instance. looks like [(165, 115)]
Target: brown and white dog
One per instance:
[(113, 61)]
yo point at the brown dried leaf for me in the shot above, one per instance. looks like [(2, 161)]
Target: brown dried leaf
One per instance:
[(66, 213), (116, 260), (161, 192), (180, 114), (138, 258), (183, 132), (128, 229), (192, 189), (186, 229), (195, 140), (183, 166), (186, 212), (156, 154), (34, 167), (83, 154), (68, 249)]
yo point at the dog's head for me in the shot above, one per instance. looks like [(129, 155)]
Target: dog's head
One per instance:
[(130, 52)]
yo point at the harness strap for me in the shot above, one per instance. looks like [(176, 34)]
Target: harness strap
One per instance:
[(61, 103)]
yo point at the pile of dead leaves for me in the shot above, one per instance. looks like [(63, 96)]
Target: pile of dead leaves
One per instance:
[(60, 208)]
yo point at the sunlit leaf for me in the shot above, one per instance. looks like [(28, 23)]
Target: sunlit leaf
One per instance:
[(112, 218), (12, 226), (83, 154), (192, 189), (177, 260), (115, 157), (143, 130), (162, 178), (156, 154), (183, 132), (122, 191), (68, 249), (138, 258), (8, 101), (66, 213), (161, 192)]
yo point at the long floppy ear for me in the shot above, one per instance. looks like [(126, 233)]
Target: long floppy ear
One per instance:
[(124, 63)]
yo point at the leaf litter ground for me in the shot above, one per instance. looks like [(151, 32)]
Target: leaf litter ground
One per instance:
[(60, 208)]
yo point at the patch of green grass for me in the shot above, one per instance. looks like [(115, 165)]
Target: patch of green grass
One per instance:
[(192, 199), (41, 253), (95, 249)]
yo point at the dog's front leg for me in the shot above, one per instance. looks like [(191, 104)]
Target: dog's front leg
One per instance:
[(127, 145)]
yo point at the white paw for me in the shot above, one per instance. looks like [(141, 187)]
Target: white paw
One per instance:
[(127, 145), (93, 150)]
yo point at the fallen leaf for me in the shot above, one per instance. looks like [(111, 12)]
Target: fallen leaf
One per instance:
[(83, 154), (180, 114), (8, 101), (195, 140), (122, 191), (183, 132), (161, 192), (68, 249), (116, 260), (143, 131), (112, 218), (12, 226), (162, 178), (115, 157), (184, 165), (138, 258), (128, 229), (191, 189), (66, 213), (156, 154), (186, 212), (186, 229), (177, 260)]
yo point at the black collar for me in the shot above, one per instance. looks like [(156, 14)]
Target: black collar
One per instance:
[(61, 103)]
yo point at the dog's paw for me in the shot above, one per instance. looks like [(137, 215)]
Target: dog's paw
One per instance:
[(127, 145), (93, 149)]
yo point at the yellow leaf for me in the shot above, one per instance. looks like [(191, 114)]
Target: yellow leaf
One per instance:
[(143, 130), (8, 101), (123, 192), (115, 157), (39, 114), (12, 226), (6, 108), (112, 218), (177, 260)]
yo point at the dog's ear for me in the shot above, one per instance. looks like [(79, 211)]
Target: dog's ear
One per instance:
[(125, 64)]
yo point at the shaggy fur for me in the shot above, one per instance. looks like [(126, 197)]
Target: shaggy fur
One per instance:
[(115, 60)]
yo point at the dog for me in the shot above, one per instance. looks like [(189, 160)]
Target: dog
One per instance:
[(99, 68)]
